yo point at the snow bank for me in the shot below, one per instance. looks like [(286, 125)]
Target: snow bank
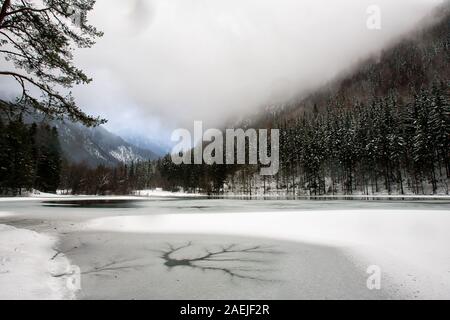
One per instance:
[(27, 270), (137, 195), (384, 196), (61, 197), (161, 193), (5, 214), (411, 248)]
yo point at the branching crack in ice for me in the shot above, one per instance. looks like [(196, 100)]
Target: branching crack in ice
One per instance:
[(206, 261), (59, 252), (115, 266), (107, 267)]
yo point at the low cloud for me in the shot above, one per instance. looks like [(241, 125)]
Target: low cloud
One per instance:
[(164, 63)]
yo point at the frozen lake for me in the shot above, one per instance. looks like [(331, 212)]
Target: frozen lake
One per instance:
[(194, 248)]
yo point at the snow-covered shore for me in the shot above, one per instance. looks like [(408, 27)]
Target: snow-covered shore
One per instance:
[(28, 267), (142, 194), (283, 196), (139, 194), (162, 193), (62, 198)]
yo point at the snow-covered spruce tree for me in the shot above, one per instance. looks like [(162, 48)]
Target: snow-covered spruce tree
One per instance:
[(394, 143), (4, 158), (362, 124), (19, 166), (30, 157), (37, 38), (331, 143), (424, 150), (440, 125), (48, 161)]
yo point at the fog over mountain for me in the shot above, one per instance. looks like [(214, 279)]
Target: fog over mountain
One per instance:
[(163, 64)]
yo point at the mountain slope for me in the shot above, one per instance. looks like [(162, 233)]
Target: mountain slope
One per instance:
[(382, 127), (96, 146), (144, 142), (80, 144), (415, 61)]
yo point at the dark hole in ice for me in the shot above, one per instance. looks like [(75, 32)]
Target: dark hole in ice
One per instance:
[(103, 203)]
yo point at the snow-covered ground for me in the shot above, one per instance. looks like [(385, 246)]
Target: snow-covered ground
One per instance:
[(27, 267), (158, 248), (56, 197), (161, 193), (153, 193), (285, 195)]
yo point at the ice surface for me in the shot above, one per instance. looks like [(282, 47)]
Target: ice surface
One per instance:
[(323, 247)]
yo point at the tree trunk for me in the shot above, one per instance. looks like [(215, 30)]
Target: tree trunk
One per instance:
[(401, 180), (4, 11)]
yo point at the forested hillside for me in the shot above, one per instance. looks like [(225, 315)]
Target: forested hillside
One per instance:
[(46, 155), (383, 128), (416, 61), (30, 157)]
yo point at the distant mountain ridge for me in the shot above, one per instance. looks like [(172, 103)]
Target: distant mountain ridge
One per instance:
[(97, 146), (91, 146), (144, 142)]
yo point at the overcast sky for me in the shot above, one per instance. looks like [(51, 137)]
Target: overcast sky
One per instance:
[(165, 63)]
